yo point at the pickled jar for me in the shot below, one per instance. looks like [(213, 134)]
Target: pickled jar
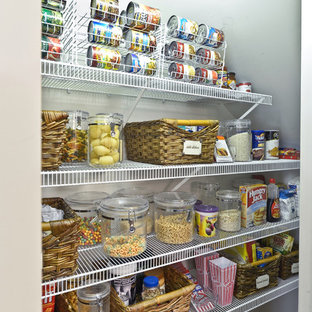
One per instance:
[(174, 217), (76, 143), (95, 298), (85, 206), (140, 192), (205, 192), (123, 223), (104, 139), (230, 210)]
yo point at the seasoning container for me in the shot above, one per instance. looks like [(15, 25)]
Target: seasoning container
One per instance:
[(231, 81), (123, 222), (205, 192), (258, 143), (140, 192), (94, 299), (174, 217), (150, 288), (229, 203), (76, 147), (271, 144), (85, 205), (238, 137), (205, 217), (104, 141), (159, 273), (244, 87)]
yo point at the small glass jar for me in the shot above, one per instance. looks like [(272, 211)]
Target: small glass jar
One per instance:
[(94, 298), (159, 273), (76, 143), (230, 210), (150, 288), (85, 205), (238, 138), (174, 217), (205, 192), (123, 222), (231, 81), (104, 140)]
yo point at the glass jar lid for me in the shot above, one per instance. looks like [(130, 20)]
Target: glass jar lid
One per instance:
[(77, 113), (86, 198), (174, 200), (94, 293), (228, 195), (236, 123), (103, 118), (134, 192)]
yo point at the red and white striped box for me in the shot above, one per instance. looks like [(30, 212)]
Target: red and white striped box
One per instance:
[(223, 273), (48, 304), (203, 271)]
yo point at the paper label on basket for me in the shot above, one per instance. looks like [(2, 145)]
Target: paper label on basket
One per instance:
[(295, 268), (262, 281), (192, 148)]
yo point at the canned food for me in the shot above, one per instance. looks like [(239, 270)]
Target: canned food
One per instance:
[(206, 76), (182, 71), (132, 63), (222, 78), (208, 57), (244, 86), (165, 51), (142, 17), (140, 42), (148, 65), (103, 58), (271, 144), (105, 10), (54, 4), (135, 63), (182, 28), (51, 48), (209, 36), (52, 22), (122, 21), (258, 142), (180, 50), (104, 33)]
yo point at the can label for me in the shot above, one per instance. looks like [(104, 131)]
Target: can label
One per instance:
[(52, 22), (141, 42), (205, 223), (51, 48), (148, 65), (187, 29), (105, 10), (145, 17), (105, 58), (222, 78), (189, 73), (215, 37), (258, 144), (176, 70), (106, 34)]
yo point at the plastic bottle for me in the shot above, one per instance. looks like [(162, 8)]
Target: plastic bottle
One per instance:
[(273, 207)]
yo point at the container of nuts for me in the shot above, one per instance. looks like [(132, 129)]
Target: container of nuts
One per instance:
[(174, 217)]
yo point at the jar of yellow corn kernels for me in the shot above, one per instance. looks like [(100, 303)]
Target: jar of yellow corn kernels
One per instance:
[(104, 140)]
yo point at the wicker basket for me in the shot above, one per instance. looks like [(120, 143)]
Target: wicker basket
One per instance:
[(162, 141), (249, 275), (66, 302), (60, 247), (177, 298), (288, 263), (53, 133)]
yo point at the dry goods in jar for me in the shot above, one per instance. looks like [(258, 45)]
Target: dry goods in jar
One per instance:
[(229, 220), (240, 146)]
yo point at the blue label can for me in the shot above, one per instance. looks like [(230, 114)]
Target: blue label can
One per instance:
[(258, 144)]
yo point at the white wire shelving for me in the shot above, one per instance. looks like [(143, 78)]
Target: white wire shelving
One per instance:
[(94, 266), (132, 171)]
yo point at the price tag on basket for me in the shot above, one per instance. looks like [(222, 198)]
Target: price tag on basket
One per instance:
[(192, 147)]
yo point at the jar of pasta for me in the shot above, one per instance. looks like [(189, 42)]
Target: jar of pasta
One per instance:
[(76, 147), (104, 139)]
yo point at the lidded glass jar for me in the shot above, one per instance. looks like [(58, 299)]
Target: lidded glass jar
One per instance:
[(95, 298), (85, 205), (76, 143), (123, 222), (238, 138), (140, 192), (174, 217), (229, 203), (205, 192), (150, 288), (104, 139)]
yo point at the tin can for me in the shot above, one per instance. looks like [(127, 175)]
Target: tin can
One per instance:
[(105, 10), (54, 4), (140, 42), (244, 87), (206, 76), (209, 36), (122, 21), (271, 144), (180, 50), (51, 48), (222, 78), (208, 57), (258, 143), (148, 65), (104, 33), (132, 63), (182, 28), (52, 22), (103, 58), (182, 71), (165, 52), (142, 17)]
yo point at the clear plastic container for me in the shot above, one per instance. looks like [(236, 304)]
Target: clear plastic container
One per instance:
[(230, 210), (150, 288), (123, 222), (174, 217), (76, 144), (94, 298), (238, 138), (104, 139), (205, 192), (85, 205), (140, 192)]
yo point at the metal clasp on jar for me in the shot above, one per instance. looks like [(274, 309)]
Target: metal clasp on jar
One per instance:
[(131, 219)]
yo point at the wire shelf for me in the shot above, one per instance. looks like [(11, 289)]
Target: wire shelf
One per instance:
[(94, 266)]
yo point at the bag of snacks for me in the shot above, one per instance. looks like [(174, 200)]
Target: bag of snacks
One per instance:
[(281, 243), (287, 204)]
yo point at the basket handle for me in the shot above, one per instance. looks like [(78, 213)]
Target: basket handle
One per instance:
[(187, 122), (266, 260), (45, 226)]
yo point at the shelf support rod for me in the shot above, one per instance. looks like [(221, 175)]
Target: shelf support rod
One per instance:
[(251, 109), (185, 180)]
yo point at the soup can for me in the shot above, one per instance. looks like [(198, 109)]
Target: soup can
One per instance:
[(180, 50), (132, 63), (140, 42), (105, 10), (244, 87), (209, 36), (148, 65), (54, 4), (258, 143), (122, 21), (208, 57), (176, 70), (271, 144), (104, 33), (103, 58), (52, 22), (165, 51), (182, 28), (51, 48), (206, 76)]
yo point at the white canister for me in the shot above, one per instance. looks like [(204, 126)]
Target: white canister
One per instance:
[(244, 87)]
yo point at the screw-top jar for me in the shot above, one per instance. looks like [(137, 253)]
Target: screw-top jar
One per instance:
[(104, 141), (150, 288), (174, 217), (123, 222), (205, 192)]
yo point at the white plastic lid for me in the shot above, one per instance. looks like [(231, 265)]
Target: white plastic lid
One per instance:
[(94, 293), (86, 199)]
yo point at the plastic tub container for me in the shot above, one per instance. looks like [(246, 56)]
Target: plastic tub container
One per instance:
[(123, 222), (206, 217), (205, 192), (174, 217)]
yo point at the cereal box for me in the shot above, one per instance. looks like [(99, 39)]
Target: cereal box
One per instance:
[(254, 203)]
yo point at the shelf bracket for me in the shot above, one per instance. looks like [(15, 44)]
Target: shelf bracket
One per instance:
[(251, 109), (185, 180)]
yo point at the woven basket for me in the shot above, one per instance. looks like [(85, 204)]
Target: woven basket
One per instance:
[(66, 302), (287, 262), (60, 248), (249, 275), (162, 141), (53, 129), (177, 298)]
